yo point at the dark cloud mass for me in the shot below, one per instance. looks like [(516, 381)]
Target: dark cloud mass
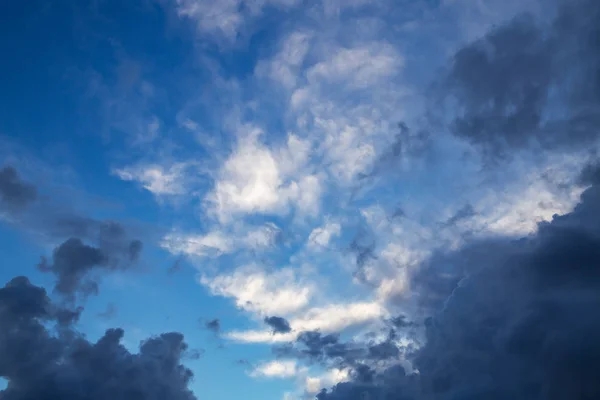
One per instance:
[(214, 325), (513, 319), (525, 83), (278, 324), (74, 262), (40, 362), (14, 193), (523, 325)]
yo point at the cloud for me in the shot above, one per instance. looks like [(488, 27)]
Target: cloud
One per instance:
[(15, 193), (514, 318), (276, 369), (260, 291), (330, 318), (263, 237), (210, 244), (285, 67), (314, 384), (109, 313), (88, 244), (255, 179), (507, 85), (74, 262), (320, 237), (213, 325), (158, 180), (359, 67), (278, 324), (39, 364), (225, 19)]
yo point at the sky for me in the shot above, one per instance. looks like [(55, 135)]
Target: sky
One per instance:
[(290, 199)]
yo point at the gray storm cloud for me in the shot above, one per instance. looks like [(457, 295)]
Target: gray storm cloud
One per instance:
[(514, 319), (43, 357)]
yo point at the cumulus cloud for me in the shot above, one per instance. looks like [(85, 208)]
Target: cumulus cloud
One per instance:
[(522, 319), (276, 369), (314, 384), (284, 67), (255, 179), (39, 364), (255, 289), (507, 85), (513, 317), (330, 318)]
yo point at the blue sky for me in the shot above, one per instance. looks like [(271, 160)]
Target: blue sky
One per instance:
[(250, 144)]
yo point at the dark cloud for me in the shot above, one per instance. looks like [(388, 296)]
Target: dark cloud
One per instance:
[(398, 213), (214, 325), (590, 174), (76, 265), (521, 324), (508, 86), (109, 313), (329, 350), (40, 362), (278, 324), (513, 319), (15, 193)]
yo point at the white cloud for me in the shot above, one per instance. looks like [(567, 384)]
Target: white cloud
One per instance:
[(255, 179), (277, 369), (225, 18), (211, 244), (336, 317), (284, 67), (219, 242), (260, 336), (314, 384), (346, 104), (157, 179), (279, 292), (360, 67), (321, 236)]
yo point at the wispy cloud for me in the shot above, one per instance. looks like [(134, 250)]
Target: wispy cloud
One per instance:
[(255, 289), (160, 180)]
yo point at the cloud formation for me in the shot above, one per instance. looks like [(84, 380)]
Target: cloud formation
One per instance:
[(278, 324), (512, 318), (508, 85), (37, 363), (74, 262), (15, 193)]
